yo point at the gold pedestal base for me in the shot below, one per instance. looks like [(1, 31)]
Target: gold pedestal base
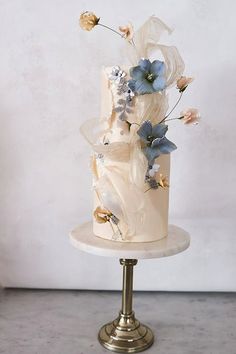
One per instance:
[(125, 335)]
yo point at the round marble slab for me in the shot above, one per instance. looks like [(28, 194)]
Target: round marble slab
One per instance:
[(83, 238)]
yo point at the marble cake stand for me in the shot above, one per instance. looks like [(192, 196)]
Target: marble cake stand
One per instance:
[(126, 334)]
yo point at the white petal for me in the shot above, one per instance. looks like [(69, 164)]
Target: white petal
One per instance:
[(156, 167), (151, 173)]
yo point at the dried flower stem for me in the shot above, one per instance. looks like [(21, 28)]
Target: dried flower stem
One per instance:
[(152, 188), (164, 119), (111, 29), (119, 231), (159, 185), (135, 123), (114, 229), (111, 226), (167, 120), (116, 32), (132, 42)]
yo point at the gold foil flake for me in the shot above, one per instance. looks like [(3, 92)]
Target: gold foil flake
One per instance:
[(163, 181)]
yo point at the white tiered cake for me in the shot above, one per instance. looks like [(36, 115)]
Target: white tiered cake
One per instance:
[(131, 159)]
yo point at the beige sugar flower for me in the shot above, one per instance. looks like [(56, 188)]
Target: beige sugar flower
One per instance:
[(102, 215), (163, 181), (190, 116), (128, 31), (183, 82), (88, 20)]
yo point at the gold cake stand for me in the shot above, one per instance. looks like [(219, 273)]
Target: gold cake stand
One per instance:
[(126, 334)]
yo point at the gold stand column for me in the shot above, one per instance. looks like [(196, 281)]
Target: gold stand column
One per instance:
[(126, 334)]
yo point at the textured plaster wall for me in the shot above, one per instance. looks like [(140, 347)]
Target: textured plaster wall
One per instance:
[(49, 84)]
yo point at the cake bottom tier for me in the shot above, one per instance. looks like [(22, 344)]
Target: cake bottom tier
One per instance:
[(143, 216)]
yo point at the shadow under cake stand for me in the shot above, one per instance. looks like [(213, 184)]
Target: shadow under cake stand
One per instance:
[(126, 334)]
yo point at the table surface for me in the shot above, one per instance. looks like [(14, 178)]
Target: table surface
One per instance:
[(177, 241)]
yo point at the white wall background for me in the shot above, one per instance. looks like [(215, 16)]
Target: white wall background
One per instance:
[(49, 84)]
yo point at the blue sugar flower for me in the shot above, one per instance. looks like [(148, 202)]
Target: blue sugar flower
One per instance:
[(155, 142), (147, 77)]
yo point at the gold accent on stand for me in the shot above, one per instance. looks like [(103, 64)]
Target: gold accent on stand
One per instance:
[(126, 334)]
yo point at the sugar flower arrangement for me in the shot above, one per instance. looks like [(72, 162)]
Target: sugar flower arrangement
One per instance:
[(146, 83)]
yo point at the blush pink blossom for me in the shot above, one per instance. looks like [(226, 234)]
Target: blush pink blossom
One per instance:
[(183, 82), (190, 116), (128, 31)]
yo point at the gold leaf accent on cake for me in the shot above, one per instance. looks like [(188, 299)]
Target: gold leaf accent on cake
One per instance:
[(163, 181), (102, 215)]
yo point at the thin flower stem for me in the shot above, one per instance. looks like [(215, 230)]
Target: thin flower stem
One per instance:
[(164, 119), (135, 123), (111, 226), (116, 32), (147, 190), (117, 229), (111, 29), (167, 120), (132, 42), (120, 232), (159, 185)]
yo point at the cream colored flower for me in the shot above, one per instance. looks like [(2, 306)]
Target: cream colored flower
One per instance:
[(183, 82), (88, 20), (102, 215), (163, 181), (128, 31), (190, 116)]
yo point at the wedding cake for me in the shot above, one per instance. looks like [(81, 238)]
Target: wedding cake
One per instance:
[(131, 151)]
